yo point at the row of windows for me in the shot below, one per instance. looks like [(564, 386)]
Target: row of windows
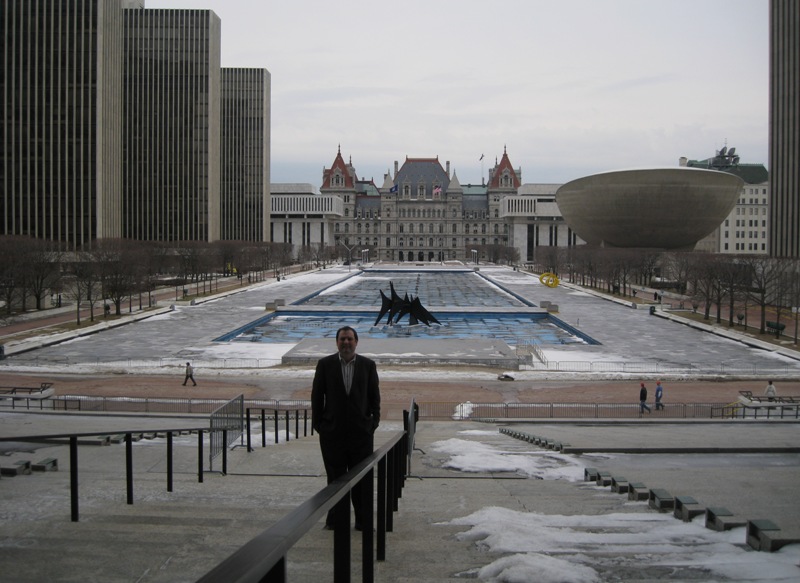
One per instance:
[(740, 211), (422, 191), (410, 242), (750, 247), (418, 213), (750, 223), (749, 234), (402, 228), (743, 200)]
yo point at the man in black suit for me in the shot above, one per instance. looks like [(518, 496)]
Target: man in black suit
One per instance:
[(345, 410)]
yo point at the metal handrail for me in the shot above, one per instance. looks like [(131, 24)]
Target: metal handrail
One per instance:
[(264, 557)]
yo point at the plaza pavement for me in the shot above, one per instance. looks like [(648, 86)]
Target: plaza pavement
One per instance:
[(623, 334), (169, 537)]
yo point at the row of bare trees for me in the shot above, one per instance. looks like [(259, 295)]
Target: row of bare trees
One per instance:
[(729, 283), (115, 269)]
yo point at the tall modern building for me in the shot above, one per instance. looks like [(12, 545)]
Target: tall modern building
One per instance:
[(784, 128), (117, 121), (61, 127), (171, 132), (746, 228), (245, 156)]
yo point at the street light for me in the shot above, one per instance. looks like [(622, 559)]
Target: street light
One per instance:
[(349, 255)]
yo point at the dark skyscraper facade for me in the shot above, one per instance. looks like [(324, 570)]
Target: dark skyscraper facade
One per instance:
[(784, 128), (112, 124), (61, 120), (245, 189), (171, 157)]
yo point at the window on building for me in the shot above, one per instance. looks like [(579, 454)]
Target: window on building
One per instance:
[(388, 242), (454, 241), (388, 227), (421, 191), (336, 228), (455, 228)]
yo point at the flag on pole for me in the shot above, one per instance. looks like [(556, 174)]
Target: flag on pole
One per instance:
[(437, 190), (481, 158), (393, 188)]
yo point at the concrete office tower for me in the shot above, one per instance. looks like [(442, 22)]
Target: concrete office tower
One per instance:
[(784, 128), (245, 190), (171, 133), (60, 136)]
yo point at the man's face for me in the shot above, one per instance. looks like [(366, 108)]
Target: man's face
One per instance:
[(346, 343)]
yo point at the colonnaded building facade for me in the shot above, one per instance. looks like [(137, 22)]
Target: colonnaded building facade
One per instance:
[(422, 213)]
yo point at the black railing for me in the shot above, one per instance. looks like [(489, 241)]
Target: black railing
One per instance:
[(275, 415), (72, 439), (227, 425), (263, 559), (484, 411)]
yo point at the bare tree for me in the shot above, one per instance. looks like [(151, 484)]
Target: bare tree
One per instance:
[(117, 270), (41, 268), (762, 274), (12, 252), (704, 276), (85, 283)]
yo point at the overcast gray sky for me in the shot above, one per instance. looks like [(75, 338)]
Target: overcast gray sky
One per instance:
[(570, 87)]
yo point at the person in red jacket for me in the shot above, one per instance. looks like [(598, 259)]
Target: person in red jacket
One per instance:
[(345, 411)]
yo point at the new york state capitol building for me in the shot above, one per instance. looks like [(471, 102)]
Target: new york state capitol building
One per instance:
[(420, 213)]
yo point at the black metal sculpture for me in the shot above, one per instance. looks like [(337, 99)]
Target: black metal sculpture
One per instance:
[(396, 308)]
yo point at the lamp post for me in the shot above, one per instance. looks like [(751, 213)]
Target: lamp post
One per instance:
[(349, 255)]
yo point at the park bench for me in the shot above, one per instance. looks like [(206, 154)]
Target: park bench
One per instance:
[(659, 499), (46, 465), (22, 467), (765, 535), (603, 479), (638, 491), (720, 518), (775, 327), (687, 508), (619, 484)]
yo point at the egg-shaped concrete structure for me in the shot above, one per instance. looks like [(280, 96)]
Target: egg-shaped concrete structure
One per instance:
[(661, 208)]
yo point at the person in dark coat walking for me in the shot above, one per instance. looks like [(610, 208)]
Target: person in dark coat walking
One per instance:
[(189, 375), (345, 411), (643, 399)]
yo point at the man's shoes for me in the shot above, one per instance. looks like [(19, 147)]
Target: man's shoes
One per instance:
[(358, 526), (327, 527)]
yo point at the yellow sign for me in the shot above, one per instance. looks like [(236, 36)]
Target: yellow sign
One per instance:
[(549, 279)]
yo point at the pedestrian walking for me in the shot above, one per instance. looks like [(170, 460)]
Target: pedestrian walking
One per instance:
[(643, 399), (659, 396), (770, 392), (189, 375)]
